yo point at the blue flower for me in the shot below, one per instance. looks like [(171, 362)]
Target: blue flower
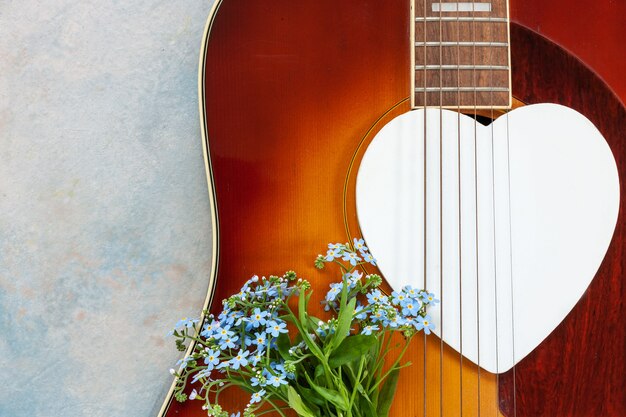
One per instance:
[(358, 312), (374, 297), (243, 293), (247, 341), (259, 340), (332, 254), (428, 298), (398, 297), (254, 381), (336, 246), (410, 291), (367, 330), (212, 359), (257, 396), (360, 245), (410, 308), (335, 290), (185, 322), (185, 361), (201, 374), (353, 278), (274, 328), (228, 342), (328, 305), (276, 380), (210, 329), (322, 327), (239, 359), (280, 367), (257, 357), (379, 315), (395, 322), (369, 258), (224, 333), (352, 257), (258, 318), (424, 323)]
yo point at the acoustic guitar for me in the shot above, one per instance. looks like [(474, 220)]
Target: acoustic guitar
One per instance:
[(478, 160)]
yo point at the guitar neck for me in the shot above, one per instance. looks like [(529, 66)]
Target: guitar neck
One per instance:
[(460, 55)]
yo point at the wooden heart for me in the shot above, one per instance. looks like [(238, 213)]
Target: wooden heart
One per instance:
[(506, 223)]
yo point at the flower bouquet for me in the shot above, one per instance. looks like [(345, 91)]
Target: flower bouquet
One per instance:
[(266, 342)]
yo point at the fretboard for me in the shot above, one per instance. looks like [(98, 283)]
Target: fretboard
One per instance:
[(461, 54)]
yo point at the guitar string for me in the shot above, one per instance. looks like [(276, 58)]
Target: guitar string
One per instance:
[(441, 212), (506, 115), (508, 155), (493, 196), (511, 278), (473, 31), (458, 83), (425, 166)]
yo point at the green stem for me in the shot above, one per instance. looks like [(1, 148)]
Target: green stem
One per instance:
[(356, 384), (277, 408), (383, 350), (394, 366), (271, 411)]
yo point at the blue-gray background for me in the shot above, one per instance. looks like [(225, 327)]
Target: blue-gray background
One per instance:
[(105, 234)]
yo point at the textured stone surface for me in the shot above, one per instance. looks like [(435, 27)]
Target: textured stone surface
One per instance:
[(104, 217)]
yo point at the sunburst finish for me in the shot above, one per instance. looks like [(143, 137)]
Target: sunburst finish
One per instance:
[(292, 94)]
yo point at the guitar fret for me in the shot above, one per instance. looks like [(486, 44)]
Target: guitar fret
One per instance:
[(497, 44), (462, 67), (463, 19), (460, 55), (454, 89)]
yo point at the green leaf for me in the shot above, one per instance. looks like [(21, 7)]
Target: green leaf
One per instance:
[(309, 394), (344, 321), (373, 353), (387, 392), (283, 343), (351, 349), (295, 402), (367, 408), (313, 347), (314, 321), (330, 395)]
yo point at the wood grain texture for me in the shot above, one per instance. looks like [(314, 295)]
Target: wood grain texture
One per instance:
[(592, 31), (580, 369)]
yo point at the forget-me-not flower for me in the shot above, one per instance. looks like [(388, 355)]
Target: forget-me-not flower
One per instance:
[(257, 396), (369, 258), (367, 330), (258, 318), (424, 323), (229, 342), (239, 359), (212, 359), (274, 328), (351, 257), (410, 308), (276, 380)]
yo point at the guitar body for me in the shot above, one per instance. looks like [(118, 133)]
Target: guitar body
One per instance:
[(292, 93)]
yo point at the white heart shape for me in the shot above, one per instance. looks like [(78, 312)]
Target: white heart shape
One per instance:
[(525, 241)]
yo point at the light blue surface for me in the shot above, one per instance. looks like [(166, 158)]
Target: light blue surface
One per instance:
[(105, 236)]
